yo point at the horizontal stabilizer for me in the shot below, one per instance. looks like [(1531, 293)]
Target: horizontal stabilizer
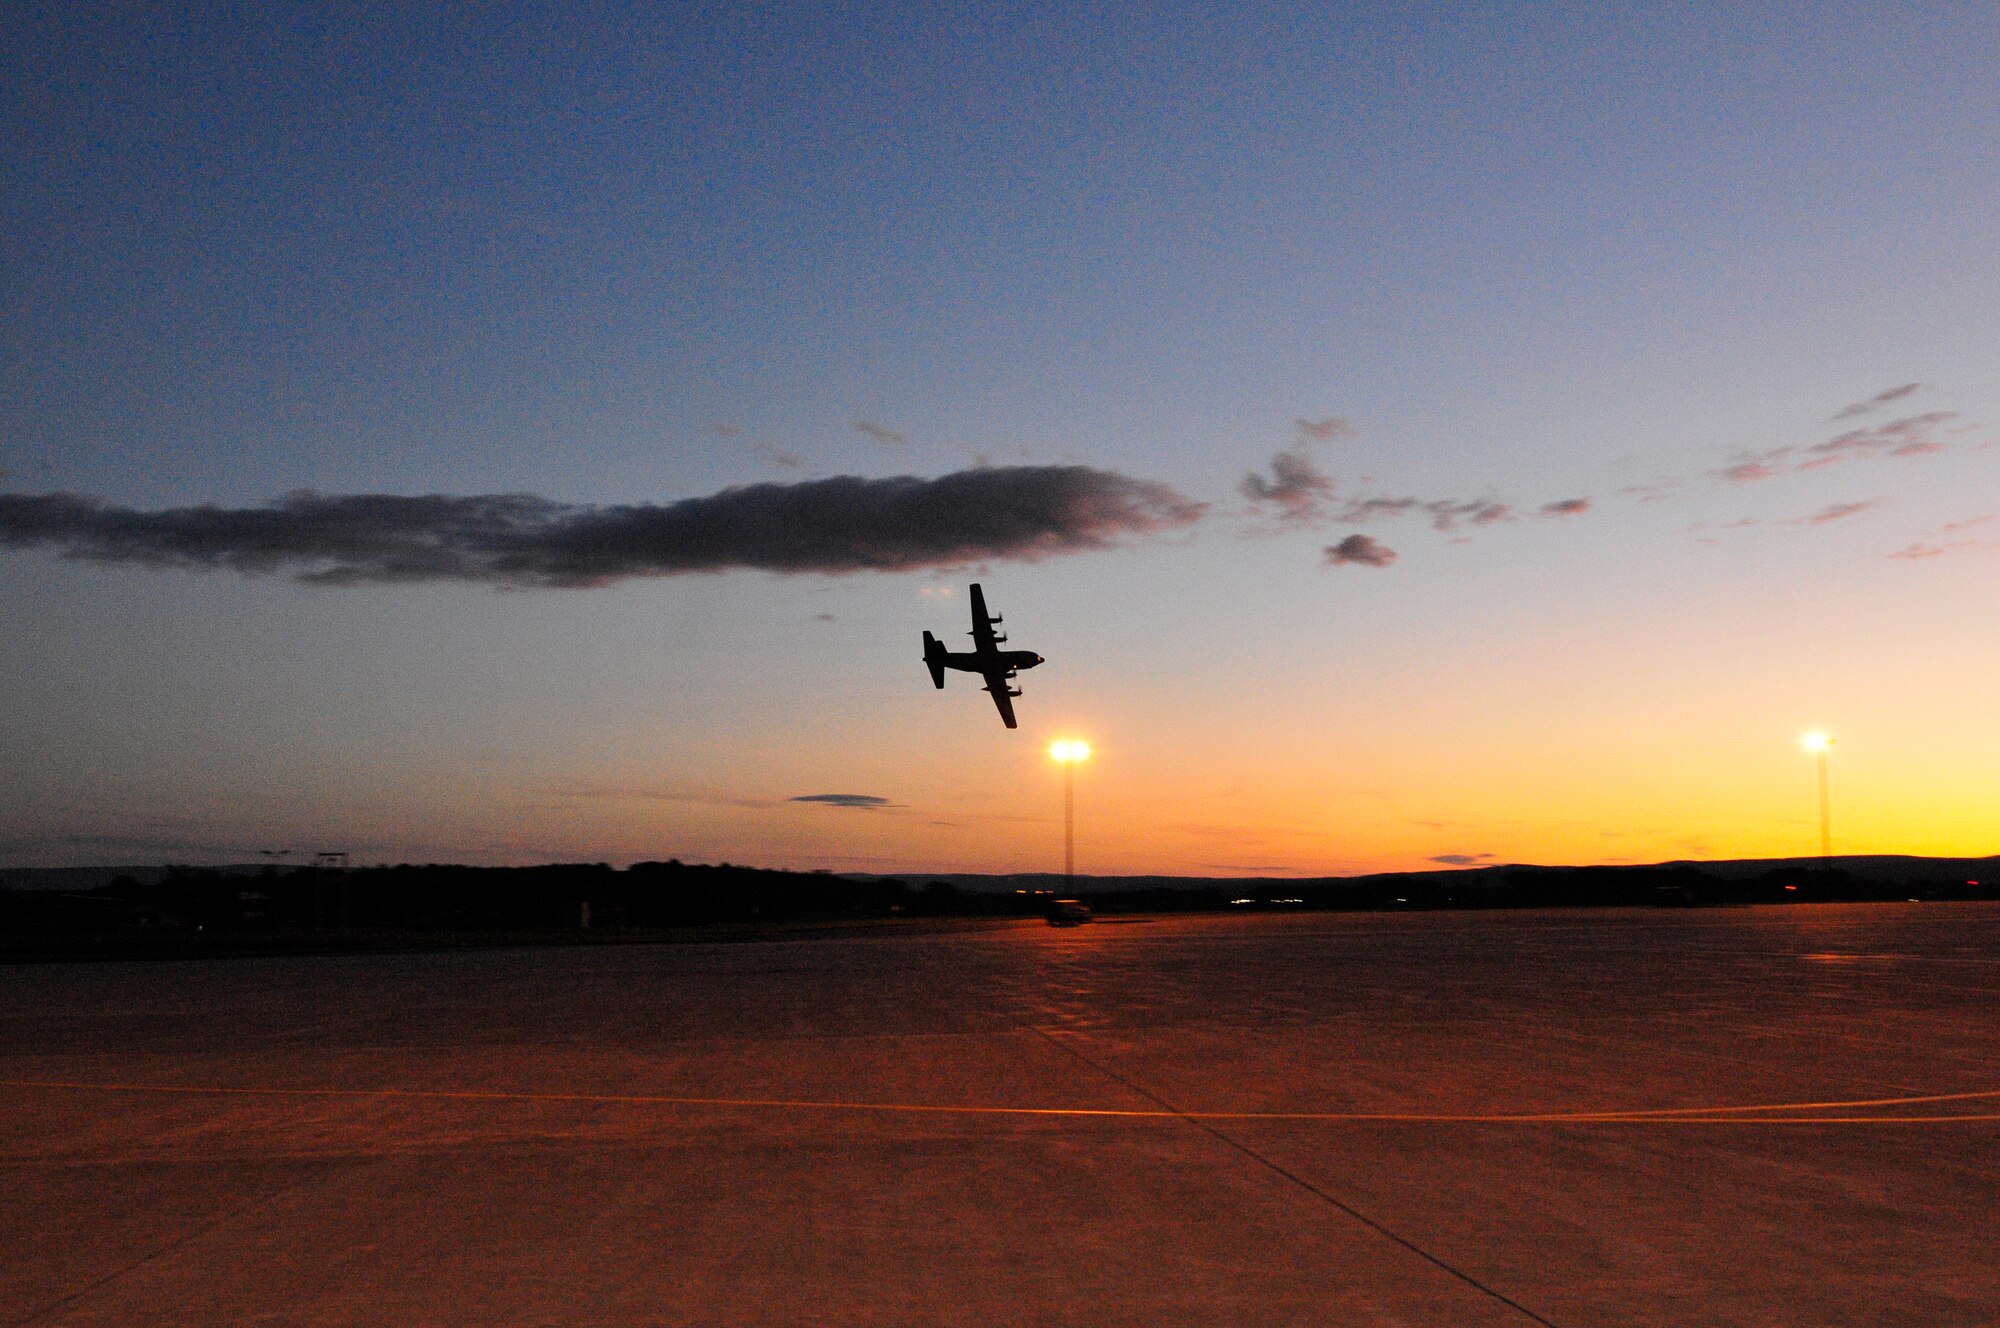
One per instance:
[(934, 658)]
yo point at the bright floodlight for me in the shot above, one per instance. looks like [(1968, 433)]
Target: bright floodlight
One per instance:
[(1064, 750), (1816, 741)]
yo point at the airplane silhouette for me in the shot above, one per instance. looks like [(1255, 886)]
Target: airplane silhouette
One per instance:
[(986, 658)]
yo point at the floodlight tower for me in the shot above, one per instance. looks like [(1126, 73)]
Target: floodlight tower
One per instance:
[(1068, 753), (1819, 744)]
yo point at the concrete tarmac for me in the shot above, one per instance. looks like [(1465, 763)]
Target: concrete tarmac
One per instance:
[(1735, 1116)]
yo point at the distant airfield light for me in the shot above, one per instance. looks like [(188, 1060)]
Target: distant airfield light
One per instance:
[(1065, 750)]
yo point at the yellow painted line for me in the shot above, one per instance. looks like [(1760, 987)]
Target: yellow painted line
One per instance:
[(1808, 1106), (1658, 1116)]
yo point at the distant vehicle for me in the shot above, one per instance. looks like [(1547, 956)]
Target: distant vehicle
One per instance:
[(1068, 913), (986, 658)]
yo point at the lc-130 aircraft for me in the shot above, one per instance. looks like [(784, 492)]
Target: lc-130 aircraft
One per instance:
[(986, 658)]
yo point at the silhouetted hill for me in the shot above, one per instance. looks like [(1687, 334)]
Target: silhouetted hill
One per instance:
[(1615, 883), (186, 910)]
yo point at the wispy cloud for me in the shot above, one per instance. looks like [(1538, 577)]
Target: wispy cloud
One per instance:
[(1925, 549), (1359, 551), (1837, 512), (1566, 507), (881, 433), (1446, 514), (763, 447), (839, 525), (1911, 436), (860, 802), (1358, 510), (709, 797), (1257, 867), (1934, 547), (143, 843), (1464, 859), (1296, 487), (1876, 402), (1324, 431), (1825, 516)]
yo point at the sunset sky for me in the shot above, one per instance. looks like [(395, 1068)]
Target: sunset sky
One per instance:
[(1427, 433)]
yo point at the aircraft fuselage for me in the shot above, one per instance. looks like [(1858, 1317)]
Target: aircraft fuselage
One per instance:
[(989, 661)]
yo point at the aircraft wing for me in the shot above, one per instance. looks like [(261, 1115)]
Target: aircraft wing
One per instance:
[(1003, 697), (983, 638)]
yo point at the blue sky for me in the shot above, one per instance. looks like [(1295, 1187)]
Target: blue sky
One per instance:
[(612, 256)]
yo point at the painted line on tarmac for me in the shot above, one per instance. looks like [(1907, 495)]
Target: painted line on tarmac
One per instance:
[(1719, 1115)]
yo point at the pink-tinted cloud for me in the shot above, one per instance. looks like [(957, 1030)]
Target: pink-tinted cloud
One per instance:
[(1566, 507), (1837, 512), (1359, 551), (1324, 431), (1657, 491), (1359, 510), (1923, 549), (1445, 513), (1911, 436), (1926, 548), (1295, 487)]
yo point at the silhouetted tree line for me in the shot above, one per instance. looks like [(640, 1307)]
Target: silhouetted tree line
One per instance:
[(442, 898), (447, 897)]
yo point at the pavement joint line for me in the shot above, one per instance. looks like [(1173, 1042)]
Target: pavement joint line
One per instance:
[(1717, 1115), (1318, 1192), (186, 1238)]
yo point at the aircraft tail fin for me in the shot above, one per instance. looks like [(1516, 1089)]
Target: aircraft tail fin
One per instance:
[(934, 658)]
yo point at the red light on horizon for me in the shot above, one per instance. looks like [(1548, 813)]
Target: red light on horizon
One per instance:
[(1791, 887)]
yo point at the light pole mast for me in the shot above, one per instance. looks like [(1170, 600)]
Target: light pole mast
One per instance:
[(1819, 744), (1825, 816), (1068, 754), (1069, 827)]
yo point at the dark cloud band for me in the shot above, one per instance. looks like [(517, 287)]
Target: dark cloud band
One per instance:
[(843, 524), (863, 802)]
